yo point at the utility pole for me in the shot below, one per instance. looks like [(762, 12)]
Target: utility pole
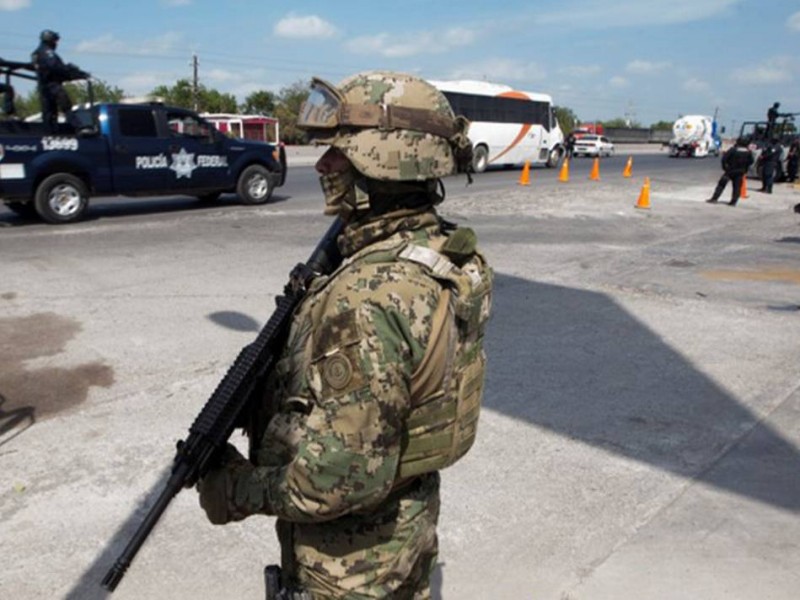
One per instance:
[(630, 114), (194, 81)]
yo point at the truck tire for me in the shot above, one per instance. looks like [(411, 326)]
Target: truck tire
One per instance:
[(480, 158), (61, 198), (255, 185)]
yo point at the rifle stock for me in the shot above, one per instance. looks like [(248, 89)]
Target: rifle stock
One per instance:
[(223, 410)]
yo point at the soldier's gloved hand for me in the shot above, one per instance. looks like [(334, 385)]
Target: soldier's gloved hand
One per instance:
[(217, 487)]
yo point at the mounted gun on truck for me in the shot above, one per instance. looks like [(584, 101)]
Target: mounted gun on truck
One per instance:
[(758, 134)]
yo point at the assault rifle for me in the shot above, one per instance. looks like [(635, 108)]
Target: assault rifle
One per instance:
[(225, 408)]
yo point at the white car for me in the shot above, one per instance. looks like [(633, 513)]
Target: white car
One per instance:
[(593, 145)]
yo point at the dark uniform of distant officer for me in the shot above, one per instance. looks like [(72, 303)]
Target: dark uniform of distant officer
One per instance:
[(735, 163), (51, 73), (8, 98), (792, 161), (770, 161), (772, 115), (569, 144)]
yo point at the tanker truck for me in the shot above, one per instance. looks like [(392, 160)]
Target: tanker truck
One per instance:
[(694, 135)]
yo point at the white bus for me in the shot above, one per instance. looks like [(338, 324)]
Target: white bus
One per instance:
[(507, 126)]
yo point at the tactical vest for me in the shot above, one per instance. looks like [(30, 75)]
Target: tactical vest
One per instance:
[(447, 387)]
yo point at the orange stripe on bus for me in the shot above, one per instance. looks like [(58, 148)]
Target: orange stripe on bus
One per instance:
[(525, 128)]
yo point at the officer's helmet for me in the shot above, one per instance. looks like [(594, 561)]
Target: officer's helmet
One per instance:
[(391, 126), (50, 37)]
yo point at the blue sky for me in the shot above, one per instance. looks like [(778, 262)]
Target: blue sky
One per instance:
[(645, 59)]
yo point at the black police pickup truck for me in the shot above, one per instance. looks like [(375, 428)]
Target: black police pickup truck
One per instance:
[(129, 150)]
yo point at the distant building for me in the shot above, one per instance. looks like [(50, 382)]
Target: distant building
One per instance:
[(248, 127)]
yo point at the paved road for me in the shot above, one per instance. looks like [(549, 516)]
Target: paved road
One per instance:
[(642, 423)]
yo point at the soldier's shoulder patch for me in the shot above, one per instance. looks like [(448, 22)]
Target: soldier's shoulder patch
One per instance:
[(337, 371)]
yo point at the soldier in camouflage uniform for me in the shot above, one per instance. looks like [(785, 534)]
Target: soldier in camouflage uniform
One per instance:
[(380, 383)]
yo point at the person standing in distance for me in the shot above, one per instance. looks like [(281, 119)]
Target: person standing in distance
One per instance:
[(51, 73), (380, 382), (770, 163), (772, 116), (792, 160), (735, 163)]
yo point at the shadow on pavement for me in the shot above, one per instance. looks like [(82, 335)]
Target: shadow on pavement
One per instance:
[(594, 373)]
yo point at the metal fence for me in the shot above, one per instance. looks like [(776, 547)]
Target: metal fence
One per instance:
[(637, 135)]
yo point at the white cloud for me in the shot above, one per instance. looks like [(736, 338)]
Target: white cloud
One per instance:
[(793, 22), (500, 70), (600, 14), (618, 82), (403, 45), (774, 70), (696, 85), (108, 44), (138, 84), (310, 26), (222, 76), (582, 71), (176, 2), (644, 67), (14, 4)]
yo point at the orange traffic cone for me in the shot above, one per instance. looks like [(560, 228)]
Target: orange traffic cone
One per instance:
[(595, 174), (563, 175), (644, 195), (743, 189), (628, 170), (525, 176)]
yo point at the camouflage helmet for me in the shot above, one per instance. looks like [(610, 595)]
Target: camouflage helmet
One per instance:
[(391, 126)]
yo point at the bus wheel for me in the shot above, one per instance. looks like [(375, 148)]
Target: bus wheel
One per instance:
[(480, 159), (554, 158)]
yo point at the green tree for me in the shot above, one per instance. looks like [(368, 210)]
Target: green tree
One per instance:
[(620, 123), (217, 102), (179, 94), (28, 105), (208, 100), (662, 126), (101, 92), (78, 93), (288, 108), (566, 118), (259, 102)]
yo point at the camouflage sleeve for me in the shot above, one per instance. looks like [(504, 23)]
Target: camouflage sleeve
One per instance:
[(372, 337)]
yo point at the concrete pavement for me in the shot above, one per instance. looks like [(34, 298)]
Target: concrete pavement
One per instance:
[(641, 431)]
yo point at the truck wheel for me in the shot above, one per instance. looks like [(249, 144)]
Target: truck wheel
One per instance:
[(480, 159), (61, 198), (255, 185)]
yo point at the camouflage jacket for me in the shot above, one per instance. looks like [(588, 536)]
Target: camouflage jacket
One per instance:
[(327, 441)]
